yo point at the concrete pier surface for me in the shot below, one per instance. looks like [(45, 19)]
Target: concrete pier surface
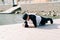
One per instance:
[(18, 32)]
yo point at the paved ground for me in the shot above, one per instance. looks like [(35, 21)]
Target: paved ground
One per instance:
[(18, 32)]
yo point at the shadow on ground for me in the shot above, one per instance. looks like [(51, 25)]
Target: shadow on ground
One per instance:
[(50, 26)]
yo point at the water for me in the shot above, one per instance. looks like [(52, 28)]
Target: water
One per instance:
[(10, 19)]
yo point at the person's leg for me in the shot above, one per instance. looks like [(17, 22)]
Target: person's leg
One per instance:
[(49, 19), (43, 21)]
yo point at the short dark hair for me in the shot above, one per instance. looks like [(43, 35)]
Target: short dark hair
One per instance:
[(25, 16)]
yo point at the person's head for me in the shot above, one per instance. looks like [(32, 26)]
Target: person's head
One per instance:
[(26, 17)]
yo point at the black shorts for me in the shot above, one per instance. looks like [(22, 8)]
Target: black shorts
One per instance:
[(43, 21)]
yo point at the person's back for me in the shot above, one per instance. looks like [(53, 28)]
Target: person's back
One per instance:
[(38, 20)]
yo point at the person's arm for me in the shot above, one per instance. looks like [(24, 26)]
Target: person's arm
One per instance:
[(26, 24), (34, 22), (33, 18)]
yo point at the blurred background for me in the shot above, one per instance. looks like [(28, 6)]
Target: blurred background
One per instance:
[(46, 8)]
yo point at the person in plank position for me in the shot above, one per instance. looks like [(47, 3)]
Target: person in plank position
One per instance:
[(37, 20)]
